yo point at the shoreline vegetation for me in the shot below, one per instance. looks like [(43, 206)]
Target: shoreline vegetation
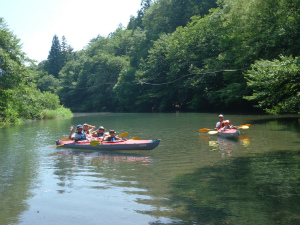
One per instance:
[(46, 114), (193, 56), (57, 113)]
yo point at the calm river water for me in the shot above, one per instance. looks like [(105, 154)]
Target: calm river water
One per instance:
[(190, 178)]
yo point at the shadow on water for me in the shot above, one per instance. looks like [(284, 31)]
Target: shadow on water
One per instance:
[(260, 189), (279, 123)]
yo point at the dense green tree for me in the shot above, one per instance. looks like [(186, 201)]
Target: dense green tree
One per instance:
[(88, 82), (187, 55), (276, 85), (48, 83), (165, 16), (12, 59), (216, 49), (136, 22), (67, 53), (19, 97)]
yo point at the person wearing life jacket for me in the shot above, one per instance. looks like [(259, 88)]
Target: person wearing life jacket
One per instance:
[(227, 125), (99, 133), (112, 136), (79, 135), (221, 123), (87, 130)]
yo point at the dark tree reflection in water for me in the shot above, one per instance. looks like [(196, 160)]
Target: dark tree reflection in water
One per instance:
[(261, 189)]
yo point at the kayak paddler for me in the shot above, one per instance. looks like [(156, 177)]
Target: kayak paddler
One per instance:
[(79, 135), (220, 124)]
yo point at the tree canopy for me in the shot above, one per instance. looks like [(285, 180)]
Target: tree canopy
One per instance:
[(19, 97), (196, 55)]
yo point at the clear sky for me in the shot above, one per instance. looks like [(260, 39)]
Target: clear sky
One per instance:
[(35, 22)]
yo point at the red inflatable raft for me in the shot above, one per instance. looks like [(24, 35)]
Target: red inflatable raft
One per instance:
[(106, 145), (229, 133)]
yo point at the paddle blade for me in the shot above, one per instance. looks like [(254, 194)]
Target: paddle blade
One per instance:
[(204, 130), (123, 135), (65, 138), (244, 127), (135, 138), (95, 143), (212, 132), (55, 146)]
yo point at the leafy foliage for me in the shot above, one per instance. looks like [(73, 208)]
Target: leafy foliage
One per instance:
[(183, 55), (19, 97), (276, 84)]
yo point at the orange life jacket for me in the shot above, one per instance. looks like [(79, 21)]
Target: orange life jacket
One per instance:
[(87, 132), (222, 124)]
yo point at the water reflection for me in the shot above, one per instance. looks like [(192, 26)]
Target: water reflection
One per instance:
[(188, 179), (225, 146), (261, 189), (105, 157), (18, 174), (100, 169)]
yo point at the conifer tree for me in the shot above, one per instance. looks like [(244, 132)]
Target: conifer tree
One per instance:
[(54, 64), (66, 51), (137, 22)]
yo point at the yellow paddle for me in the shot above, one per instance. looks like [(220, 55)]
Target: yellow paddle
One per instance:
[(65, 138), (135, 138), (204, 130), (95, 142), (55, 146), (246, 125), (123, 135)]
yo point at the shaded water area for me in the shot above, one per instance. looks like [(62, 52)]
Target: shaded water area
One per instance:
[(190, 178)]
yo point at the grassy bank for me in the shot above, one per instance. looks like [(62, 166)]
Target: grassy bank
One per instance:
[(45, 114), (57, 113)]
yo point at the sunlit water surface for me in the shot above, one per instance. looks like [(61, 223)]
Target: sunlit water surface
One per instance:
[(190, 178)]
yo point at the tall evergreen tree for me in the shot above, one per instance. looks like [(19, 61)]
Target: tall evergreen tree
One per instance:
[(137, 22), (54, 64), (66, 51)]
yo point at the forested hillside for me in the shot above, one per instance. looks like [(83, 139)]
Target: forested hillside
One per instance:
[(20, 99), (193, 55)]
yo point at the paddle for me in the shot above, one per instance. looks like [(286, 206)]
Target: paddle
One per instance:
[(204, 130), (123, 135), (135, 138), (95, 142), (246, 125), (56, 146), (65, 138)]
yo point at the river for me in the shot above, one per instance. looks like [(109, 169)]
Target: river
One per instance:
[(190, 178)]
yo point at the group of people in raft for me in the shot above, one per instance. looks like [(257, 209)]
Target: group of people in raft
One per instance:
[(85, 132), (223, 124)]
